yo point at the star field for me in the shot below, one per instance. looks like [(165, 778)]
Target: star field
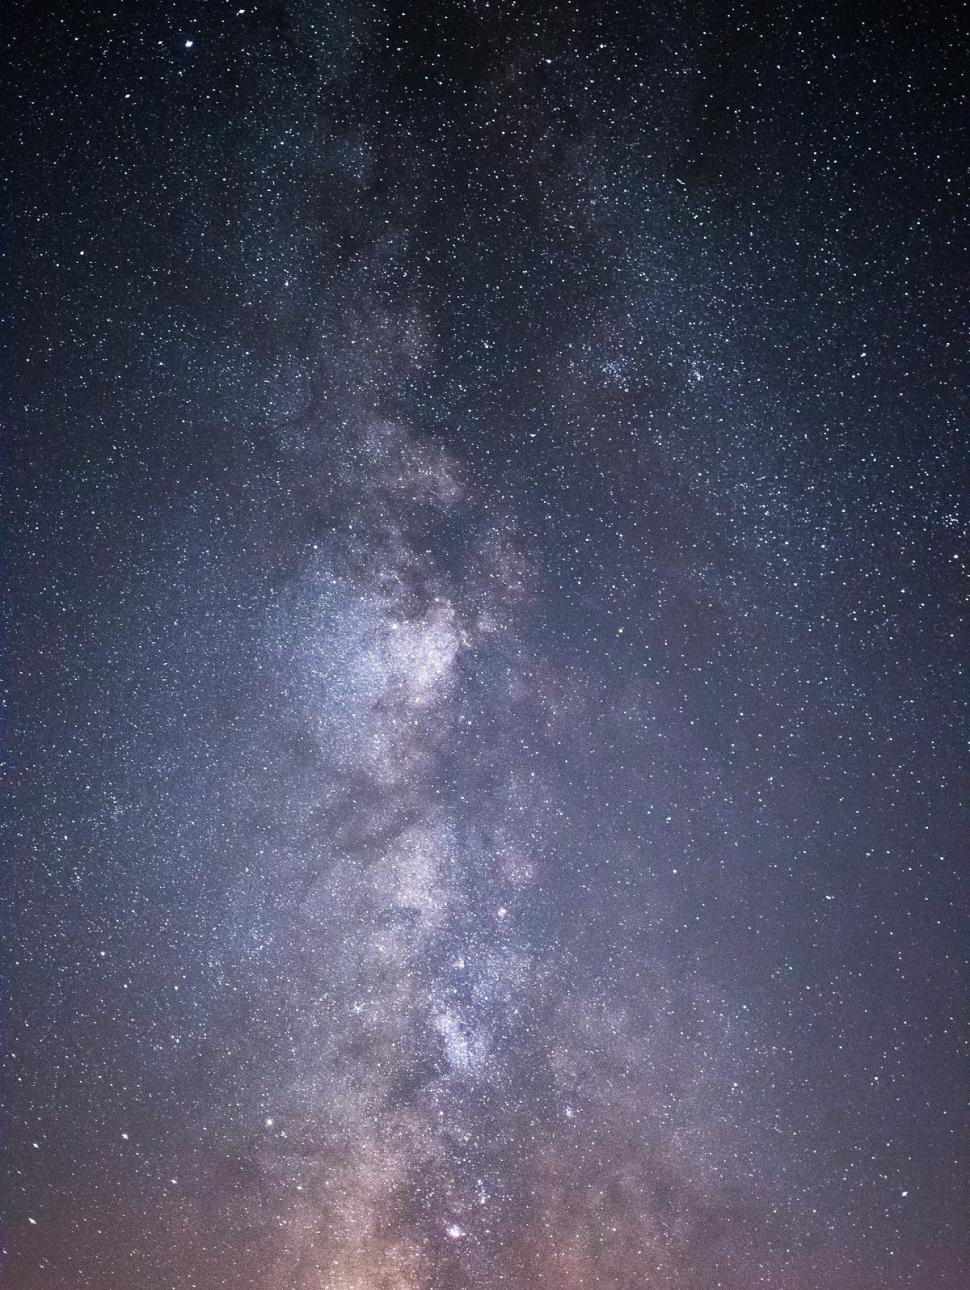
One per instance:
[(487, 548)]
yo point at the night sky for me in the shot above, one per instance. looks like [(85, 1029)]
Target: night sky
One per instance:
[(486, 534)]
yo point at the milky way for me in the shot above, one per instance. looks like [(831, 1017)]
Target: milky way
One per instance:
[(486, 536), (456, 1083)]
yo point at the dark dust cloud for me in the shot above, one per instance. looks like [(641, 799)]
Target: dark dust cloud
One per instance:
[(486, 534)]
